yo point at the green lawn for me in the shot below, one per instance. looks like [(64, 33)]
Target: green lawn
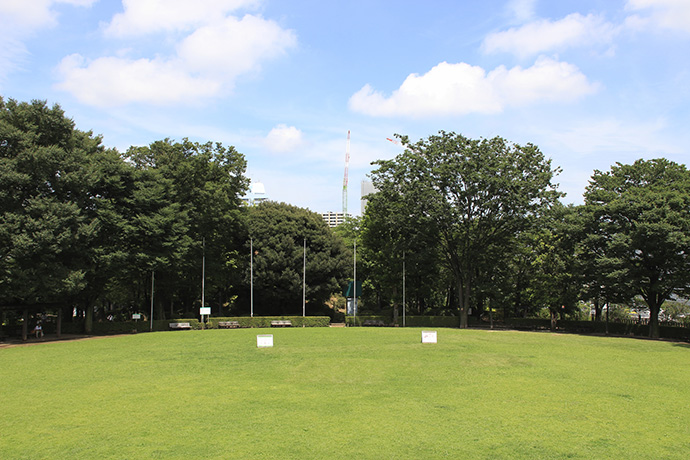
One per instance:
[(352, 393)]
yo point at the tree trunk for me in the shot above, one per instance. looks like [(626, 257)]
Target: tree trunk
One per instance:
[(25, 325), (464, 301), (88, 320), (654, 320), (597, 310), (608, 308), (491, 313), (654, 301), (553, 320)]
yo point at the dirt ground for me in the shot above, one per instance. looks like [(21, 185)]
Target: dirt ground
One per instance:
[(9, 342)]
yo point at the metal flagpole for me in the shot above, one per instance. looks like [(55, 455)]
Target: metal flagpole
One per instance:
[(403, 299), (203, 277), (354, 303), (153, 275), (251, 276), (304, 280)]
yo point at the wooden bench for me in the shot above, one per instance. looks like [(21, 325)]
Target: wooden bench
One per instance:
[(180, 326), (228, 324), (281, 323)]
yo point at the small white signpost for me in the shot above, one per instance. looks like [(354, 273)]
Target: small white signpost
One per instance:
[(429, 337), (204, 311), (264, 340), (136, 316)]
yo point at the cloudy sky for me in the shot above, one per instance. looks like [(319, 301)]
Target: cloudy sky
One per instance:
[(591, 82)]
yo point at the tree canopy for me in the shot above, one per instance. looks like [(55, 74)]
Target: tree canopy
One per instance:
[(51, 190), (83, 225), (278, 232), (474, 195), (640, 217)]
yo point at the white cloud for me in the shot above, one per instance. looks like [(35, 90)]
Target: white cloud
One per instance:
[(112, 81), (522, 10), (141, 17), (667, 14), (20, 20), (611, 136), (544, 35), (233, 46), (205, 64), (284, 138), (25, 16), (459, 89)]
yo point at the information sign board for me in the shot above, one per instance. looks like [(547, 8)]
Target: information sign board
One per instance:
[(429, 337), (205, 310), (264, 340)]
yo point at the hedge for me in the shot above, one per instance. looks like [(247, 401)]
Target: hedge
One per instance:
[(431, 321), (586, 327), (360, 320), (128, 327), (598, 327), (410, 321), (265, 321)]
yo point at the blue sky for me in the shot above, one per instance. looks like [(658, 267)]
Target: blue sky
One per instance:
[(591, 82)]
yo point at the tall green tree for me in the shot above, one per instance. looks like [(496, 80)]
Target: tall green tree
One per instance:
[(555, 283), (474, 194), (193, 191), (392, 238), (47, 223), (278, 232), (641, 219)]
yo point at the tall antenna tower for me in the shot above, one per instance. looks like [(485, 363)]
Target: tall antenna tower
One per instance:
[(347, 166)]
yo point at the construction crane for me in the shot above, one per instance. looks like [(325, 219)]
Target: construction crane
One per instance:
[(347, 166)]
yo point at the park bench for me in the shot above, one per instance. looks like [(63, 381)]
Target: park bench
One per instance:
[(228, 324), (181, 326), (281, 323)]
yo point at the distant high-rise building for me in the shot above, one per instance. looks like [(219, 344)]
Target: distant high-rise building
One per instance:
[(367, 189), (257, 194), (333, 219)]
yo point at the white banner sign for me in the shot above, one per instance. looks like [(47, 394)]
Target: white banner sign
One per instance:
[(264, 340), (429, 337), (136, 315), (205, 310)]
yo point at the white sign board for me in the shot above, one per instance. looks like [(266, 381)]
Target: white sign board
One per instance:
[(264, 340), (136, 315), (429, 337), (205, 310)]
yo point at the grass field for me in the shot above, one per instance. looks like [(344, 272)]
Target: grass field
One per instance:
[(355, 393)]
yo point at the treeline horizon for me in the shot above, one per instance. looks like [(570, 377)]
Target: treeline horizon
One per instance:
[(476, 225)]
